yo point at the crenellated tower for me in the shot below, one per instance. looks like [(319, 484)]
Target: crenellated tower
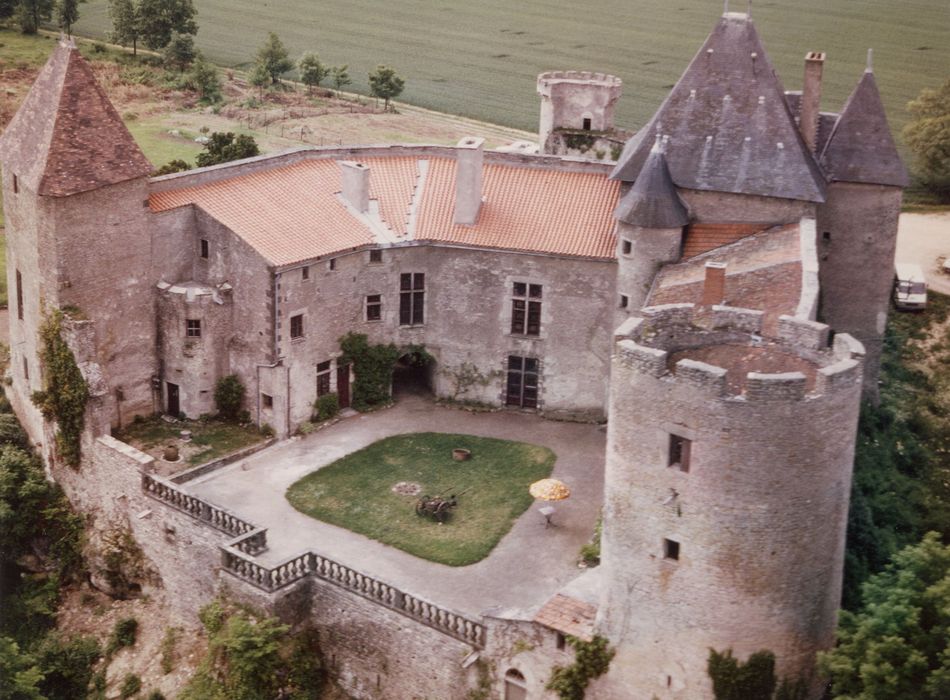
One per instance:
[(75, 197), (728, 475)]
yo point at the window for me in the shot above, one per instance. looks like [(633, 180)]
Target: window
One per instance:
[(19, 295), (412, 286), (323, 378), (560, 640), (624, 301), (626, 247), (679, 452), (267, 401), (526, 309), (26, 369), (515, 686), (332, 263), (522, 385), (296, 326), (586, 123), (671, 549), (376, 255), (193, 328), (305, 273), (826, 236), (16, 185), (205, 248), (374, 307)]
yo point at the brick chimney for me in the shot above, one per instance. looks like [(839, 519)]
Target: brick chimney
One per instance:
[(469, 156), (355, 188), (714, 285), (811, 98)]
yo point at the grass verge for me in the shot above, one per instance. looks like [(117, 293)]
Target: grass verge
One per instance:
[(210, 439), (356, 492)]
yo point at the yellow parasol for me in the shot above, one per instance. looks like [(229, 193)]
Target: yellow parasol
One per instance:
[(549, 490)]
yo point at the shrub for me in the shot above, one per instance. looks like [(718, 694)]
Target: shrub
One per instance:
[(131, 685), (591, 659), (123, 635), (228, 397), (733, 680), (373, 367), (66, 665), (326, 407), (169, 653), (172, 166)]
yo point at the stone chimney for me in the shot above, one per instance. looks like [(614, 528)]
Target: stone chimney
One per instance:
[(714, 285), (811, 98), (469, 156), (355, 185)]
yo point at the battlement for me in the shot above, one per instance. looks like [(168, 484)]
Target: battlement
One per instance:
[(578, 77), (722, 352)]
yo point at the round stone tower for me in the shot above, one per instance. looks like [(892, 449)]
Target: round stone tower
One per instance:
[(576, 100), (728, 473)]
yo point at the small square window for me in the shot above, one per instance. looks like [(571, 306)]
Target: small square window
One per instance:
[(624, 301), (680, 449), (586, 123), (193, 328), (305, 272), (374, 307), (626, 247), (376, 255), (671, 549), (267, 401), (205, 248), (296, 326), (519, 289), (332, 263)]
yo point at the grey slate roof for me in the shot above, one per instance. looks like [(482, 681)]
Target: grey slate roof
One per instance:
[(861, 148), (729, 124), (653, 202), (67, 137)]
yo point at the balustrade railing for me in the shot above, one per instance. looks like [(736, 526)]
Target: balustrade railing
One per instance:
[(172, 495)]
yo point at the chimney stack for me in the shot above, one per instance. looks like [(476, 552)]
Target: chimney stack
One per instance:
[(714, 285), (355, 185), (811, 98), (469, 156)]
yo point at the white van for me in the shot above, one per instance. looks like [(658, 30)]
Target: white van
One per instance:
[(910, 287)]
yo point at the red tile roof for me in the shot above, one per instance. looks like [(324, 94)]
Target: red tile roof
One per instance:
[(292, 213), (67, 137), (701, 238), (568, 616)]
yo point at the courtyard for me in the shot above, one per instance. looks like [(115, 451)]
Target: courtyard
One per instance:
[(529, 564)]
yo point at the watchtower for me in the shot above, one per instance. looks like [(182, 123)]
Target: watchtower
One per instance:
[(728, 474), (576, 100)]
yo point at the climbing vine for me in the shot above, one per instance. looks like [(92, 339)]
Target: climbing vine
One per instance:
[(66, 393), (372, 367), (591, 659), (465, 377), (734, 680)]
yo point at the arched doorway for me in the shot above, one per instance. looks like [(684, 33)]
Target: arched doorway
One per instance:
[(515, 686), (412, 374)]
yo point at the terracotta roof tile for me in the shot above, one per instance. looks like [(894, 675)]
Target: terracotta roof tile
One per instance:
[(528, 209), (67, 137), (392, 182), (701, 238), (568, 616)]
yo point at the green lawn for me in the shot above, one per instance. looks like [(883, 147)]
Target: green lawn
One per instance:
[(212, 438), (356, 492), (481, 59)]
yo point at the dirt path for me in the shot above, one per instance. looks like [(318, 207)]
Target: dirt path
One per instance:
[(925, 239)]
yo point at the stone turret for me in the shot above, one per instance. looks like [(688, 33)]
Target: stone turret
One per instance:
[(578, 103), (650, 220), (729, 460), (75, 187)]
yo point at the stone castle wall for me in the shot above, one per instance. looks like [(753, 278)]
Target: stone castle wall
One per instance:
[(759, 517)]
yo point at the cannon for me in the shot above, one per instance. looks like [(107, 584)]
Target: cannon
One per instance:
[(436, 507)]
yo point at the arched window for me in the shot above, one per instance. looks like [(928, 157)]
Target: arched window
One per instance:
[(515, 686)]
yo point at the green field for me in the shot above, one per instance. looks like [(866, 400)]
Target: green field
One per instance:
[(480, 59)]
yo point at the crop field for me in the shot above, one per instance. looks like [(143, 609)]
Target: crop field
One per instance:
[(480, 59)]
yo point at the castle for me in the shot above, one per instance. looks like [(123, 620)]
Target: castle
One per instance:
[(719, 293)]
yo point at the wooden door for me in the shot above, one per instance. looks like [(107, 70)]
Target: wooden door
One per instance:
[(343, 385), (173, 407)]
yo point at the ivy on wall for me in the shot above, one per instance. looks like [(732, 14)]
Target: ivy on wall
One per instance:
[(591, 660), (66, 393), (372, 367)]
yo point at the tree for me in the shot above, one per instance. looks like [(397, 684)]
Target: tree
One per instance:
[(30, 13), (928, 136), (159, 19), (312, 71), (228, 392), (7, 8), (898, 645), (180, 52), (259, 77), (19, 675), (125, 23), (203, 78), (340, 77), (274, 58), (67, 12), (733, 680), (386, 84)]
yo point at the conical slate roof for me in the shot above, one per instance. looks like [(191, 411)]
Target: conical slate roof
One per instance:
[(861, 148), (728, 123), (653, 202), (67, 137)]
